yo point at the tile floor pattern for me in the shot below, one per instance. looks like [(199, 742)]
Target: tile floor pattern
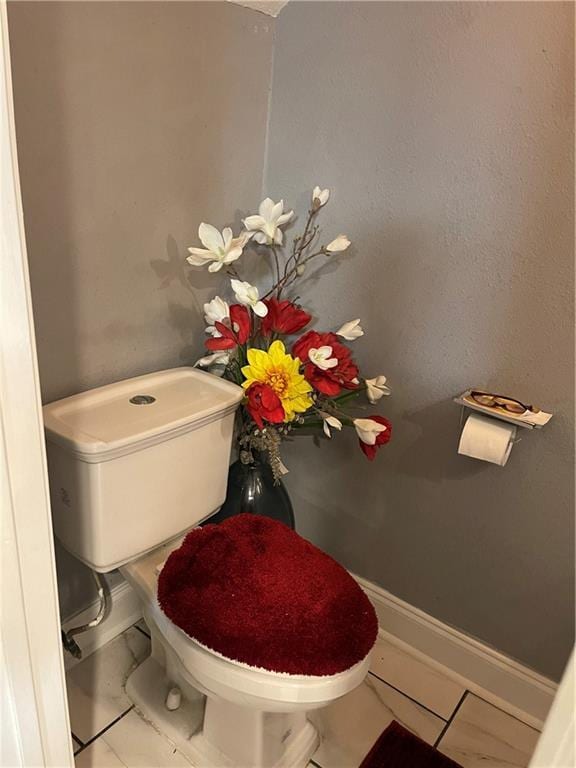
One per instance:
[(108, 732)]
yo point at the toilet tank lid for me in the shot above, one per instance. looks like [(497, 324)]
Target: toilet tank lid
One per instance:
[(106, 422)]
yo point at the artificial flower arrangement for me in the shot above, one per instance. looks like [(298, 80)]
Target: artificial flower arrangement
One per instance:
[(292, 382)]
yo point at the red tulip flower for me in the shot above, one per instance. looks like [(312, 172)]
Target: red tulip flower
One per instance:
[(264, 404), (283, 317), (331, 375), (235, 334)]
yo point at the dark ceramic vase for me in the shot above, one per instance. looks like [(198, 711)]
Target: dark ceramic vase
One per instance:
[(251, 489)]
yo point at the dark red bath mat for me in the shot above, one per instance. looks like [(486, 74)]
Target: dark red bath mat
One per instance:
[(255, 591), (398, 748)]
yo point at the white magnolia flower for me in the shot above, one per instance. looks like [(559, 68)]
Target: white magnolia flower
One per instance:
[(339, 243), (322, 357), (330, 421), (216, 358), (368, 430), (267, 222), (248, 295), (320, 197), (215, 311), (351, 330), (220, 248), (376, 388)]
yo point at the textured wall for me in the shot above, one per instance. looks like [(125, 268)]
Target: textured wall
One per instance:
[(445, 132), (135, 121)]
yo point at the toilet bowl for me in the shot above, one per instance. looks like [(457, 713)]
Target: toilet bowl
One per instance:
[(133, 467), (240, 716)]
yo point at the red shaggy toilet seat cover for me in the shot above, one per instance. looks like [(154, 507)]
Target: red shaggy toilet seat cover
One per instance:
[(256, 592)]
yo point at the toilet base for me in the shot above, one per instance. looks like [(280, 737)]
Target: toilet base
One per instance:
[(248, 738)]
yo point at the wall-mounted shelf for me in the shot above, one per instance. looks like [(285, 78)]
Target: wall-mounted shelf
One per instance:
[(520, 421)]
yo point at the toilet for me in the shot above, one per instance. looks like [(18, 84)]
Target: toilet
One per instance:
[(134, 467)]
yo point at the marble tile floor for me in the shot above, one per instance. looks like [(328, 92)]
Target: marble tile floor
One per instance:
[(107, 732)]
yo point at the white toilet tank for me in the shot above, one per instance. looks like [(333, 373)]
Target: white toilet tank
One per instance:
[(135, 463)]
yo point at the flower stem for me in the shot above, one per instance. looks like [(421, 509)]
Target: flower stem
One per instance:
[(289, 278), (350, 395), (277, 263), (233, 272), (295, 259)]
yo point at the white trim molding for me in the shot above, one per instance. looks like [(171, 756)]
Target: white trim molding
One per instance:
[(494, 676), (485, 671), (35, 723), (557, 745)]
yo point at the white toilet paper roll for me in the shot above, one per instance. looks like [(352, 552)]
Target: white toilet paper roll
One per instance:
[(487, 439)]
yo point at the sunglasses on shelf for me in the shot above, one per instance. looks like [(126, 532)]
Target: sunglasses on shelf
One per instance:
[(498, 401)]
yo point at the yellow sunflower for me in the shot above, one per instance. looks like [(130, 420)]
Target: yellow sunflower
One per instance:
[(281, 372)]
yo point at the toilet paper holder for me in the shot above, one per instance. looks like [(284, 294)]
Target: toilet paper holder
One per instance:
[(483, 436), (528, 420)]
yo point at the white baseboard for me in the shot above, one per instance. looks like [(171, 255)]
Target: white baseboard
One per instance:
[(499, 679), (483, 670), (125, 611)]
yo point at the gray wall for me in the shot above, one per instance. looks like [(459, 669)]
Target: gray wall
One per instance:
[(135, 121), (445, 133)]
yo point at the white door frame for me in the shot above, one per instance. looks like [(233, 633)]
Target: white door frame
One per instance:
[(557, 745), (35, 725)]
